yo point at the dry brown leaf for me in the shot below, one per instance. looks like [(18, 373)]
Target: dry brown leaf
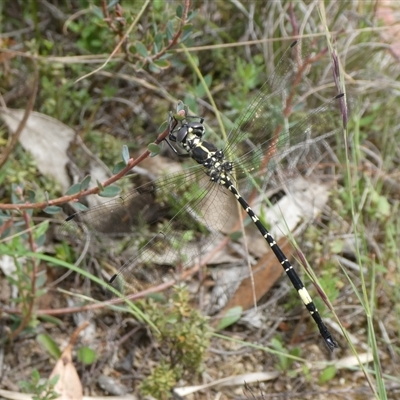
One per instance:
[(265, 273), (47, 139), (68, 386)]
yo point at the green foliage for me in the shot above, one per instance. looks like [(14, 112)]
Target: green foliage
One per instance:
[(23, 272), (86, 355), (47, 342), (93, 35), (250, 76), (362, 222), (160, 383), (284, 362), (154, 149), (110, 191), (327, 374), (41, 389), (231, 317), (184, 334)]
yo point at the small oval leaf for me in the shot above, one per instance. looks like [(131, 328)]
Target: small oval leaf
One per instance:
[(125, 154), (86, 355), (327, 374), (158, 41), (118, 167), (187, 31), (163, 64), (153, 68), (79, 206), (52, 210), (162, 127), (232, 316), (31, 195), (74, 189), (99, 185), (49, 345), (141, 49), (110, 191), (41, 229), (154, 149), (170, 30), (179, 11), (86, 182), (191, 15)]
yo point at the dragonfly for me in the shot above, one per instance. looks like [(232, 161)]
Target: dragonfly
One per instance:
[(190, 208)]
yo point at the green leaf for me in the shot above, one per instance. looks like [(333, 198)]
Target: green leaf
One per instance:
[(163, 64), (153, 68), (337, 246), (86, 182), (179, 11), (39, 283), (125, 154), (97, 11), (110, 191), (49, 345), (158, 5), (141, 49), (384, 206), (99, 185), (139, 65), (208, 80), (52, 382), (232, 316), (162, 127), (200, 89), (170, 30), (79, 206), (327, 374), (31, 195), (74, 189), (154, 149), (187, 31), (42, 228), (191, 14), (158, 42), (35, 375), (52, 320), (86, 355), (52, 210), (118, 167)]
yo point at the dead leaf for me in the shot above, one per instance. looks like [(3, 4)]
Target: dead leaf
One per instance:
[(265, 273), (47, 139), (68, 386)]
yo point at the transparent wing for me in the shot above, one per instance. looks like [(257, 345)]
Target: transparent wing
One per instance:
[(185, 212), (295, 150), (266, 112)]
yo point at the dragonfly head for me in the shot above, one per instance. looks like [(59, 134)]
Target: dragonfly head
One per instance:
[(188, 132)]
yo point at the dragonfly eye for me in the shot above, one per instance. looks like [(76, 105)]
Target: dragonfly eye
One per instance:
[(182, 134)]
